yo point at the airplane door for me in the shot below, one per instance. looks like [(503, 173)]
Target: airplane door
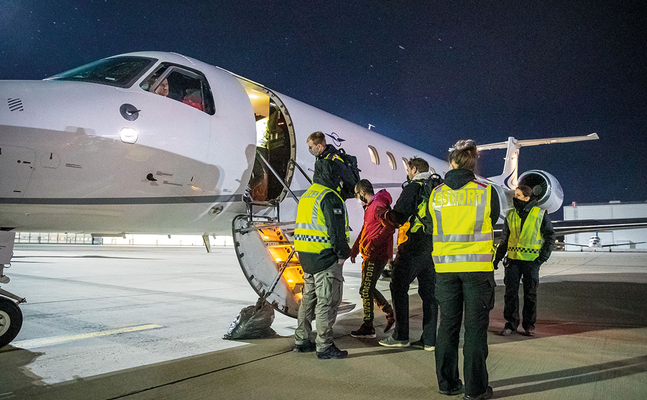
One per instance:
[(17, 164)]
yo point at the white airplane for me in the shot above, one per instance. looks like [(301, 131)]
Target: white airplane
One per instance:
[(595, 243), (154, 142)]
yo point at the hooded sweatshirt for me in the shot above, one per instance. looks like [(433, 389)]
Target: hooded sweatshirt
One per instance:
[(375, 241)]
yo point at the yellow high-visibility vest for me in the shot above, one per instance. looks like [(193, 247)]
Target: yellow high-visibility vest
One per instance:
[(463, 233), (311, 233), (525, 244)]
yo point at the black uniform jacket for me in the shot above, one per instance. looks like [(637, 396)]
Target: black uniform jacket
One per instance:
[(405, 210)]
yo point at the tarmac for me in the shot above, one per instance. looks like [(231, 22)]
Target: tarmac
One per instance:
[(146, 323)]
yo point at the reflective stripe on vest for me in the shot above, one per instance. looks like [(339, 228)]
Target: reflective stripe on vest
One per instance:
[(462, 229), (525, 243), (311, 232)]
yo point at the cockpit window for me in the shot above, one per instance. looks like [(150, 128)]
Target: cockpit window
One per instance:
[(181, 84), (116, 71)]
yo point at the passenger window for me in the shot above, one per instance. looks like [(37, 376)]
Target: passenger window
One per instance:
[(181, 85), (375, 158), (405, 162), (392, 162)]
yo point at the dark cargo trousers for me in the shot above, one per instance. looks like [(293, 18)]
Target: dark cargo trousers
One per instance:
[(474, 290), (322, 293), (513, 273), (371, 272), (408, 266)]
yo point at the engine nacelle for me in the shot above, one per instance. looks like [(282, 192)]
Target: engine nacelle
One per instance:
[(546, 188)]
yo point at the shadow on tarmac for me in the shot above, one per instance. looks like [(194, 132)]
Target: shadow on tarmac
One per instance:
[(571, 377), (15, 376), (564, 308), (569, 307)]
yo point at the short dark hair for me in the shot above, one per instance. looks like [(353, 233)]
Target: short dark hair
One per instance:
[(420, 164), (365, 185), (317, 138)]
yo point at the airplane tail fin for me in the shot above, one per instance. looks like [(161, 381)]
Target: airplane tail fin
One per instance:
[(510, 169)]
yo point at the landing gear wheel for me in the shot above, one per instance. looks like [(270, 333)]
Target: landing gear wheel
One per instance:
[(10, 321)]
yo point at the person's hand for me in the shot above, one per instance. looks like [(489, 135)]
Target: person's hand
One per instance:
[(352, 259), (385, 221), (496, 264)]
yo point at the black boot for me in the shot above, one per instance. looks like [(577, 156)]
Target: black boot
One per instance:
[(332, 352), (365, 331)]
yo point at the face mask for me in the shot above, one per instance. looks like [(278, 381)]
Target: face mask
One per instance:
[(313, 151), (519, 204)]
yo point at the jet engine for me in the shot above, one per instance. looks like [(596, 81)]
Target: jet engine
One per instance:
[(545, 187)]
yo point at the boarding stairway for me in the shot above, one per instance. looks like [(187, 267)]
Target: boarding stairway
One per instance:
[(265, 250)]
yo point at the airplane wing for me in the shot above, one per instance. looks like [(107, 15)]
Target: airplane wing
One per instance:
[(621, 244), (592, 225), (576, 244), (587, 225)]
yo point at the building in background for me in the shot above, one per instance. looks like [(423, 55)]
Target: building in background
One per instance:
[(139, 240), (610, 210)]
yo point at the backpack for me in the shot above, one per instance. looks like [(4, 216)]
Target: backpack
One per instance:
[(346, 168), (428, 186)]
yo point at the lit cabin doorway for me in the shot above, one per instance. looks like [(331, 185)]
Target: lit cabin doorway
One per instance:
[(275, 142)]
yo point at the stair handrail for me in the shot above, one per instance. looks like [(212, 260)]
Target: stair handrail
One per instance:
[(277, 176), (296, 164)]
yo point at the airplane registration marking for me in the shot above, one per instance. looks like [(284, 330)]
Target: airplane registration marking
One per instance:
[(51, 341)]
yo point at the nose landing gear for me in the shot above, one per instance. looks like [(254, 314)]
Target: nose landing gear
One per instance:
[(10, 321), (10, 314)]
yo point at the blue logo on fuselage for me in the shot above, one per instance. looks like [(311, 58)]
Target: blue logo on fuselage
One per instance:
[(336, 140)]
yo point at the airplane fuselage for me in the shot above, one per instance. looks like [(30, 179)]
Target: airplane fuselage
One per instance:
[(85, 156)]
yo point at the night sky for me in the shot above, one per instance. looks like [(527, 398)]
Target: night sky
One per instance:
[(426, 73)]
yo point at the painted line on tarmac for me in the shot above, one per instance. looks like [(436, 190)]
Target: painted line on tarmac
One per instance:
[(51, 341)]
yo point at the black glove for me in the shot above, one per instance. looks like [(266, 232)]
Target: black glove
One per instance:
[(496, 264)]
